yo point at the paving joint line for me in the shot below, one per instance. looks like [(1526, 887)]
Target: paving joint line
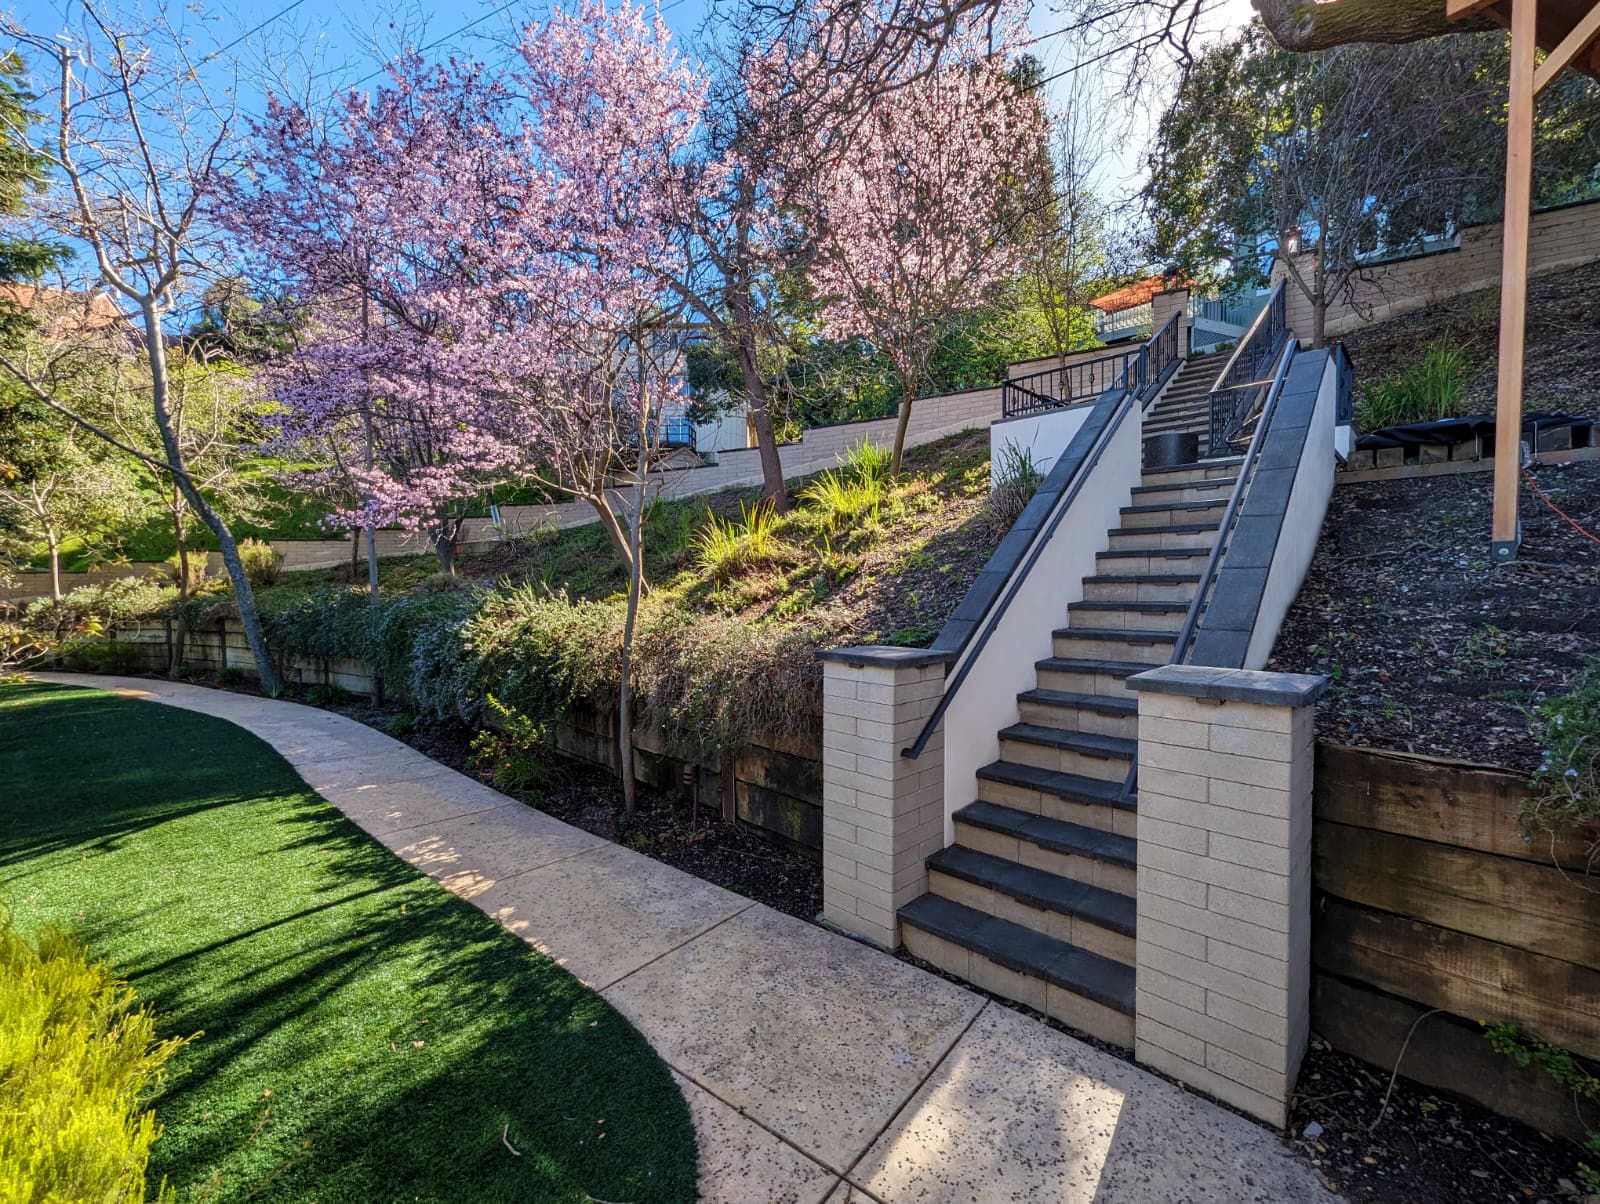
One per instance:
[(765, 1128), (921, 1083), (688, 940)]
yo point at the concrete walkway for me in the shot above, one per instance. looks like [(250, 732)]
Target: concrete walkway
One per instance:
[(817, 1069)]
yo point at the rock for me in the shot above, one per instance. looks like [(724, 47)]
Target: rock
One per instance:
[(1312, 1131)]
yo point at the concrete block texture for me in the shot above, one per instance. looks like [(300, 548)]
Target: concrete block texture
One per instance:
[(883, 812), (1223, 889)]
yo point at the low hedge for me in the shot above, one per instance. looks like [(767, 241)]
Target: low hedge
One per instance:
[(78, 1061)]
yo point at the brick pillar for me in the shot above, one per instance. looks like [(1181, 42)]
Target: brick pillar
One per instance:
[(1224, 880), (882, 813), (1163, 306)]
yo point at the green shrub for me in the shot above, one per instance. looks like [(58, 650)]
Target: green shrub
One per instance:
[(1565, 792), (22, 648), (98, 654), (116, 603), (725, 546), (229, 676), (1527, 1049), (198, 569), (1432, 388), (1016, 479), (263, 563), (515, 752), (326, 696), (78, 1061)]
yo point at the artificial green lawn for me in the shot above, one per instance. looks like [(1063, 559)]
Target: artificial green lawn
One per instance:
[(367, 1036)]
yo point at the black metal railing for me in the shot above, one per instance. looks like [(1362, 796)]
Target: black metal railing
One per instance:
[(1131, 391), (1208, 575), (1064, 386), (1240, 390)]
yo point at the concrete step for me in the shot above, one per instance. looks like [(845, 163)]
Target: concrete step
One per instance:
[(1129, 616), (1087, 675), (1089, 802), (1070, 985), (1142, 561), (1105, 643), (1169, 513), (1079, 913), (1217, 488), (1160, 538), (1131, 587), (1086, 754), (1077, 712), (1089, 855), (1208, 469)]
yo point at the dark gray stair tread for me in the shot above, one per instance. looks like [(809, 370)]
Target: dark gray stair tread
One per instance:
[(1141, 608), (1038, 888), (1092, 664), (1168, 529), (1167, 553), (1158, 507), (1143, 579), (1074, 787), (1087, 702), (1219, 462), (1020, 948), (1219, 483), (1090, 744), (1132, 635), (1055, 834)]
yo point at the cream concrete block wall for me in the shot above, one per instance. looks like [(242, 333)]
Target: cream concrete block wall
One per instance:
[(1558, 239), (1224, 881), (1163, 306), (882, 813)]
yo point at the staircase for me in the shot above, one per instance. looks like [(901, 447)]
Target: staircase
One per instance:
[(1035, 899)]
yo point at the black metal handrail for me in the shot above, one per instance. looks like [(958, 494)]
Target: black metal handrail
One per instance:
[(1230, 408), (1241, 485), (1057, 387), (1140, 381)]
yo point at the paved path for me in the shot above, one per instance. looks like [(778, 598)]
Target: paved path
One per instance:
[(817, 1068)]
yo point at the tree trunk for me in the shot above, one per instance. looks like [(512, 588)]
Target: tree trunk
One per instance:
[(180, 631), (372, 563), (630, 787), (54, 546), (243, 595), (755, 390), (444, 547), (1319, 305), (908, 396), (1318, 24)]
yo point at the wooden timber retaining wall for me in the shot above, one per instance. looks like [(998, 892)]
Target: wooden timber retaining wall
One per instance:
[(773, 785), (1429, 898)]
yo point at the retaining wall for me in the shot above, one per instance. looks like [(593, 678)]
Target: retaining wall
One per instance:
[(1429, 898), (1560, 238)]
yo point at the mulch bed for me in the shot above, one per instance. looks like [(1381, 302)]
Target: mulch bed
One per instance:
[(1563, 372), (587, 797), (1429, 648), (1427, 1149)]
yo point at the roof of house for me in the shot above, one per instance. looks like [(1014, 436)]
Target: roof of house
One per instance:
[(1138, 293), (64, 310)]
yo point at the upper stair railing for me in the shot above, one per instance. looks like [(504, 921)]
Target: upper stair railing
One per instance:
[(1057, 387), (1240, 391), (1143, 374)]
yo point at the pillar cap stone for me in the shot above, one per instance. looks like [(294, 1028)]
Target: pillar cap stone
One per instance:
[(885, 656), (1232, 685)]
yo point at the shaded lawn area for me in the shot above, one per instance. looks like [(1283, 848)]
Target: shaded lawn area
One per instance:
[(367, 1036)]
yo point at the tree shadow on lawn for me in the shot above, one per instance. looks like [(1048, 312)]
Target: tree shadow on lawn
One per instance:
[(367, 1036)]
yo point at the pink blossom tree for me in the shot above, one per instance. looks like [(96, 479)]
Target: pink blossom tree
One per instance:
[(385, 220), (906, 214)]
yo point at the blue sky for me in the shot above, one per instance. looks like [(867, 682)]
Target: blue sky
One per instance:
[(323, 45)]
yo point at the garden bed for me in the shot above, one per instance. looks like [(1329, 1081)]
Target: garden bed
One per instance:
[(1429, 648)]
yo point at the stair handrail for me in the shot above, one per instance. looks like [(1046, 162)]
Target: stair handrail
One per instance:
[(1255, 350), (1140, 386), (1241, 486), (1051, 388)]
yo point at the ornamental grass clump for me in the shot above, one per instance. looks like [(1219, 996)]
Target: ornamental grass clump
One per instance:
[(725, 546), (1432, 388), (79, 1060)]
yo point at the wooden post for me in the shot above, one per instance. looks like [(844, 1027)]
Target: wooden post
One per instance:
[(1506, 534)]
